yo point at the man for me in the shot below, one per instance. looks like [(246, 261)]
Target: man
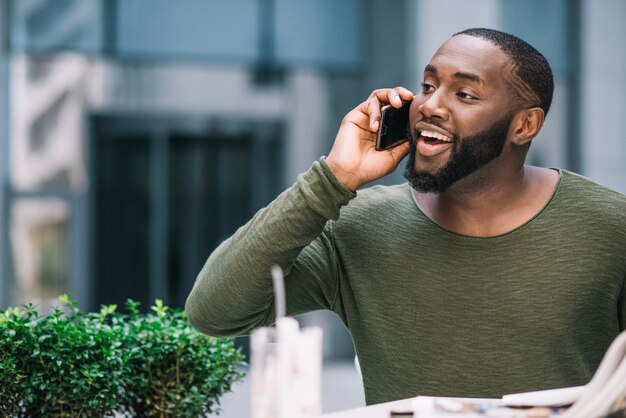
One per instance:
[(481, 276)]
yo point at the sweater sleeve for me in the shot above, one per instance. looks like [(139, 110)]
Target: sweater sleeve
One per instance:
[(233, 292)]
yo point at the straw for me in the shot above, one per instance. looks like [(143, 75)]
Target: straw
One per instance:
[(279, 292)]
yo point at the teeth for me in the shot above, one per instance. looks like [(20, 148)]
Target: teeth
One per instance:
[(436, 135)]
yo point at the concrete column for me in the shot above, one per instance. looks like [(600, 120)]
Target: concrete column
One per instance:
[(431, 22), (603, 101), (5, 271), (308, 105)]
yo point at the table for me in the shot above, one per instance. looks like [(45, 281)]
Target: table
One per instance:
[(380, 410), (383, 410)]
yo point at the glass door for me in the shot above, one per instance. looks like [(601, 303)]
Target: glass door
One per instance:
[(164, 196)]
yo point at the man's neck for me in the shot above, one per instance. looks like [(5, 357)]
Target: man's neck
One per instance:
[(487, 205)]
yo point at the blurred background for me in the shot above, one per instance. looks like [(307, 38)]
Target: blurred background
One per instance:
[(136, 135)]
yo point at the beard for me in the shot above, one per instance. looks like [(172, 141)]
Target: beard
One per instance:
[(468, 155)]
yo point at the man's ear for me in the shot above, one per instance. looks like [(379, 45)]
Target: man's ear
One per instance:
[(526, 125)]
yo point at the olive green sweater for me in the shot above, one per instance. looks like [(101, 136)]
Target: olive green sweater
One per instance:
[(432, 312)]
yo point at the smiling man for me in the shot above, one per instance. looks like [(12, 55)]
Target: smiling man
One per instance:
[(480, 276)]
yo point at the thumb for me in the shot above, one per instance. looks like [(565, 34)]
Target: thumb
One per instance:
[(399, 152)]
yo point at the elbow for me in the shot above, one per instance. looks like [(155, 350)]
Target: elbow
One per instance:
[(199, 317), (210, 319)]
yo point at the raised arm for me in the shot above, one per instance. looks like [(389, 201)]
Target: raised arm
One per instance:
[(233, 292)]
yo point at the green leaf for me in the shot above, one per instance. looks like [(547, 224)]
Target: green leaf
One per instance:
[(106, 362)]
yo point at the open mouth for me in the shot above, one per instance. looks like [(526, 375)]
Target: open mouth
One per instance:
[(434, 138)]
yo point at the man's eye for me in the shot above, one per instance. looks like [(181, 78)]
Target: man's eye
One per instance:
[(464, 95), (427, 88)]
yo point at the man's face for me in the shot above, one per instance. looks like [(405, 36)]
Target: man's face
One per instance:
[(467, 156), (460, 118)]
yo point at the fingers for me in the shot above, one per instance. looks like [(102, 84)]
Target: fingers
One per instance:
[(373, 108), (381, 97), (361, 117), (370, 110), (394, 96), (366, 115)]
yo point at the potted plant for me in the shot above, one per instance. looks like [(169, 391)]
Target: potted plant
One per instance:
[(64, 364), (70, 364), (173, 370)]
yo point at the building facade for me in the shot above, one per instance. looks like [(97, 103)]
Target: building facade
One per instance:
[(136, 136)]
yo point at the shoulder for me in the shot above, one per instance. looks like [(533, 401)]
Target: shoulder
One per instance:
[(381, 197), (585, 199), (582, 189), (377, 206)]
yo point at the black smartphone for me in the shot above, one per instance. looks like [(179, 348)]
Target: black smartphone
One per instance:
[(394, 126)]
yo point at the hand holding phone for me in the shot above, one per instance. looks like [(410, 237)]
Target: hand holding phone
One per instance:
[(350, 158), (394, 126)]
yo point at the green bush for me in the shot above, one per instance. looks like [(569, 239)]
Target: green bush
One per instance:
[(70, 364)]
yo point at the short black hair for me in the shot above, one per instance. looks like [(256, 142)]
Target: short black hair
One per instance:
[(527, 64)]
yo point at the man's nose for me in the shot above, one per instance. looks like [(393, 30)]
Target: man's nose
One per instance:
[(434, 106)]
